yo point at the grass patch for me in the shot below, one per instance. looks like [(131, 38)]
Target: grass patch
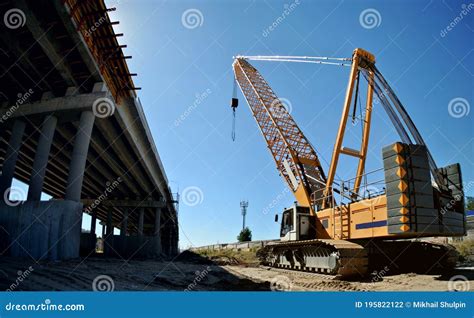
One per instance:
[(231, 257), (465, 249)]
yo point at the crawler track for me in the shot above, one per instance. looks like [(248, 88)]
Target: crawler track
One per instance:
[(340, 258), (412, 256), (344, 259)]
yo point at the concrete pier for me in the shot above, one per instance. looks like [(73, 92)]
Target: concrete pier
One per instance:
[(93, 221), (11, 156), (35, 229), (157, 229), (79, 156), (124, 226), (141, 217), (41, 158)]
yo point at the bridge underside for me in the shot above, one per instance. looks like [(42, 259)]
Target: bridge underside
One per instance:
[(72, 127)]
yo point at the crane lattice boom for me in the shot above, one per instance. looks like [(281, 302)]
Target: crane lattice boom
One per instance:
[(294, 156)]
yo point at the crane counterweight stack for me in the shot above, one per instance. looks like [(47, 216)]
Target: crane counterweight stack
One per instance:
[(342, 236)]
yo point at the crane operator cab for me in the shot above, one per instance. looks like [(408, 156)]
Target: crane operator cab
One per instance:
[(296, 224)]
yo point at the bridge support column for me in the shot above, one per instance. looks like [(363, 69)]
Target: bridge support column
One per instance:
[(89, 240), (157, 222), (93, 221), (79, 156), (40, 230), (157, 230), (108, 238), (11, 156), (124, 226), (110, 228), (41, 158), (141, 217), (174, 242)]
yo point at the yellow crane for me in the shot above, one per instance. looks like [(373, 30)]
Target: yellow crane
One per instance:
[(340, 228)]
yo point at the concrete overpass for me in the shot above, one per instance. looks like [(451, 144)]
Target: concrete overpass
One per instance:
[(71, 126)]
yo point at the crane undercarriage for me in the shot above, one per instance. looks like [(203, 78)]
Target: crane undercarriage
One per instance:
[(355, 259)]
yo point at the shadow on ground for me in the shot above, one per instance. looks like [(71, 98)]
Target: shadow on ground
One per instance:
[(186, 272)]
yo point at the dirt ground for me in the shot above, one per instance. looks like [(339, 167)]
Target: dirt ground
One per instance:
[(192, 272), (298, 281), (187, 272)]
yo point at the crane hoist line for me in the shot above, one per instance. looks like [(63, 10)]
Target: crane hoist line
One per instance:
[(337, 227)]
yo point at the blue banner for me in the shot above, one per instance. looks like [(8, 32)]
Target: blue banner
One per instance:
[(236, 304)]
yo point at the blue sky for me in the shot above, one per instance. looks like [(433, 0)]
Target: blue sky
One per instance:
[(180, 62), (175, 63)]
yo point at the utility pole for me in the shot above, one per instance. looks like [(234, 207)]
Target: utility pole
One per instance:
[(243, 207)]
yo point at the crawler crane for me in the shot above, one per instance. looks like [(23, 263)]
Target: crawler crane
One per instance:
[(338, 227)]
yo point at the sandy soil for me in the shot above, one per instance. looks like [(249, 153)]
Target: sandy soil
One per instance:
[(96, 273), (298, 281), (192, 272)]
